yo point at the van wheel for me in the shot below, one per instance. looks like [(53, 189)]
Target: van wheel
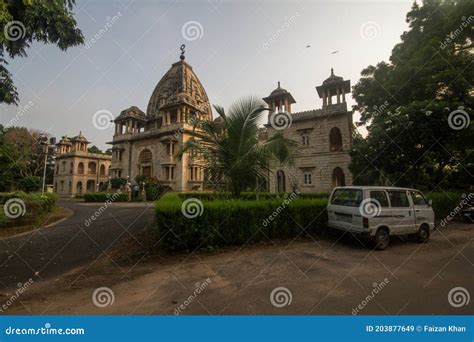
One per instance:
[(382, 240), (423, 234)]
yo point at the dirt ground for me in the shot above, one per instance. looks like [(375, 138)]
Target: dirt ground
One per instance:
[(322, 276)]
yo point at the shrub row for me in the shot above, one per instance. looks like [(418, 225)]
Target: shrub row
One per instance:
[(24, 208), (105, 196), (210, 196), (444, 203), (233, 222)]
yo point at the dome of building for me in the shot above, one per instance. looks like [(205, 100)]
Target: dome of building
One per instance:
[(333, 78), (278, 91), (178, 86)]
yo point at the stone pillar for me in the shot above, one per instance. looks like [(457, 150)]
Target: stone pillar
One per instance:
[(178, 115), (338, 95), (168, 117), (163, 119), (329, 97), (343, 95)]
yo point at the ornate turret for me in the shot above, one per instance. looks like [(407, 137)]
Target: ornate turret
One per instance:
[(279, 100), (333, 86)]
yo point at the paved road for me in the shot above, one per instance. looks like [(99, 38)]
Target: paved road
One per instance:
[(48, 252)]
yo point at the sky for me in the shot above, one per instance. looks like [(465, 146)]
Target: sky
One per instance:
[(237, 48)]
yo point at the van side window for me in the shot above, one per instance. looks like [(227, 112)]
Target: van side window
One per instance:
[(398, 199), (380, 197), (418, 198)]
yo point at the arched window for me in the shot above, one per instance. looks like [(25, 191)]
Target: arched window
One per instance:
[(145, 158), (92, 168), (281, 186), (71, 168), (335, 139), (80, 169), (102, 170), (338, 178), (109, 170)]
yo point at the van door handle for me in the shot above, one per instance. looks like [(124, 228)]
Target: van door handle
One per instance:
[(409, 213)]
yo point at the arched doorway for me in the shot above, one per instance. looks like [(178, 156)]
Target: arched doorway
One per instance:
[(338, 178), (145, 158), (281, 187), (90, 186), (79, 188)]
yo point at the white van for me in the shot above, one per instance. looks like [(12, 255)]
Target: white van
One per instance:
[(377, 212)]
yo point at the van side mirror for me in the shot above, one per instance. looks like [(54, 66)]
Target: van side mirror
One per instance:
[(430, 203)]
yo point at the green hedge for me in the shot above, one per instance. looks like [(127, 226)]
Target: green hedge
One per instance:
[(235, 222), (105, 196), (30, 208), (444, 203), (210, 196)]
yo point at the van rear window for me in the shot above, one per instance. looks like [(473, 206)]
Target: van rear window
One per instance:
[(347, 197)]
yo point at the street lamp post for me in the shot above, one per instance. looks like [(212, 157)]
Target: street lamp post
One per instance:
[(44, 141)]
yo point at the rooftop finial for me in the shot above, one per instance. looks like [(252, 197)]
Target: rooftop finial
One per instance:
[(182, 52), (332, 72), (278, 84)]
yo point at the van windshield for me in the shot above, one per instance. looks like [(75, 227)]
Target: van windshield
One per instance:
[(347, 197)]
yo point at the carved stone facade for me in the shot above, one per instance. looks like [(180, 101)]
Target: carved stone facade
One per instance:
[(324, 138), (77, 170), (147, 143)]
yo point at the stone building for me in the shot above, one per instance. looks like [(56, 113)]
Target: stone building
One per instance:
[(324, 136), (146, 143), (76, 169)]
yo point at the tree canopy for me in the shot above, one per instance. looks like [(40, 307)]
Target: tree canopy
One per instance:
[(417, 107), (24, 21)]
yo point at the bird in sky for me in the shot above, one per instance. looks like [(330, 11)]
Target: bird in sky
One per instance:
[(308, 46), (334, 52)]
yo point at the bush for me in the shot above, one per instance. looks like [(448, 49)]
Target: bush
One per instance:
[(30, 207), (105, 196), (235, 221), (210, 196), (444, 203), (30, 184)]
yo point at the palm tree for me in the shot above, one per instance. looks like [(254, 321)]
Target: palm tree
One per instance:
[(231, 148)]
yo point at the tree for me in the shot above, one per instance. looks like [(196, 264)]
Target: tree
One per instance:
[(21, 155), (94, 149), (23, 22), (30, 184), (231, 149), (412, 104)]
